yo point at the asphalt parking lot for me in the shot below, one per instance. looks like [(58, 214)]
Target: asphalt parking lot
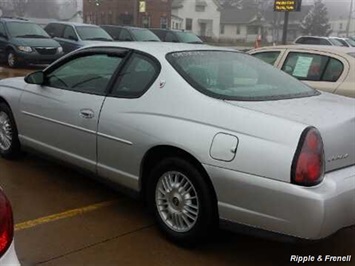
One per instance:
[(66, 218)]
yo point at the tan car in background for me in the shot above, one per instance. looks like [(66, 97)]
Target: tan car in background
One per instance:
[(326, 68)]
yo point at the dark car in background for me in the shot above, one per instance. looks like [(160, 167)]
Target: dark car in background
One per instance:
[(24, 42), (166, 35), (72, 36), (127, 33)]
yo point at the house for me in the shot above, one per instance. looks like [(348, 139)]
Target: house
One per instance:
[(201, 17), (339, 18), (240, 24), (245, 24)]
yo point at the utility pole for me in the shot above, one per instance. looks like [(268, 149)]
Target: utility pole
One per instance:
[(349, 18), (284, 31)]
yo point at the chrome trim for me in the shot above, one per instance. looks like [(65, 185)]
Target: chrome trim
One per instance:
[(59, 122), (114, 138)]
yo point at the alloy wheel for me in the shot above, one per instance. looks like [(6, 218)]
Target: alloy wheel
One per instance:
[(177, 201), (5, 132)]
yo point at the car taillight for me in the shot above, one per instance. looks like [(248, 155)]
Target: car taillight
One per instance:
[(308, 163), (6, 224)]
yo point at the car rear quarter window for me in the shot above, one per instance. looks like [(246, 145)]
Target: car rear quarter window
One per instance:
[(136, 77), (236, 76), (312, 67), (268, 57), (88, 74)]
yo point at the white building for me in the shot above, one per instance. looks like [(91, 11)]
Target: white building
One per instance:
[(202, 17)]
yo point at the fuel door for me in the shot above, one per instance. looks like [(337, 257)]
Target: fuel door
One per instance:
[(224, 147)]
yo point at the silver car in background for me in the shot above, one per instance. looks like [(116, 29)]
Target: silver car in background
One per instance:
[(205, 135)]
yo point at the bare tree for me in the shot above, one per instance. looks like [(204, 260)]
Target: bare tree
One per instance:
[(13, 7)]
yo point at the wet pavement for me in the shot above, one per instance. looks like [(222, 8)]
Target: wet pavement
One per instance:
[(64, 217)]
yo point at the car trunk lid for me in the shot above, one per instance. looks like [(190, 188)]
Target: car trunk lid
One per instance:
[(332, 115)]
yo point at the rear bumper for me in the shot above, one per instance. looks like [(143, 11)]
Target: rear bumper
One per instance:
[(302, 212), (10, 257)]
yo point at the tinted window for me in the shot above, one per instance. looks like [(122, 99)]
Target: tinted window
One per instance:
[(136, 78), (333, 70), (160, 33), (93, 33), (55, 30), (188, 37), (26, 30), (351, 42), (305, 66), (113, 31), (142, 35), (89, 74), (268, 57), (69, 33), (2, 30), (235, 76), (170, 37), (125, 36)]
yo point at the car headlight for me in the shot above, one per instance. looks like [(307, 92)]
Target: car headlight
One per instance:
[(60, 49), (26, 49)]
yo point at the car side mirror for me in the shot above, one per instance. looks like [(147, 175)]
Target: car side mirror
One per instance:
[(36, 78)]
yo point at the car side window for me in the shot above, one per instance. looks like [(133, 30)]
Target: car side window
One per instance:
[(136, 77), (2, 31), (54, 30), (114, 32), (87, 74), (170, 37), (125, 36), (69, 33), (268, 57), (305, 66), (333, 71)]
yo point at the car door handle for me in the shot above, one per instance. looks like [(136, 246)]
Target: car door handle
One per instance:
[(87, 113)]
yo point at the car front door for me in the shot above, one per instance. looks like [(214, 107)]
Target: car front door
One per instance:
[(60, 118), (120, 146)]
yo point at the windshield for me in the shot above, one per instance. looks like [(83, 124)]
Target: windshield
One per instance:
[(351, 42), (26, 30), (142, 35), (236, 76), (93, 33), (336, 42), (188, 37)]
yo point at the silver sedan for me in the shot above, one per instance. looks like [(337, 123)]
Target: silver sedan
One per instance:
[(205, 135)]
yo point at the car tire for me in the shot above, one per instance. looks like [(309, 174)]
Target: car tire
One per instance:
[(9, 143), (12, 60), (182, 201)]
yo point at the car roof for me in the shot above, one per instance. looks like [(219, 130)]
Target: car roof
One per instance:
[(15, 20), (160, 49), (72, 23), (314, 37), (124, 27), (319, 48)]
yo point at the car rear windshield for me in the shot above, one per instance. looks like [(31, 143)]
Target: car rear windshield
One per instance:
[(143, 35), (93, 33), (236, 76), (188, 37), (26, 30), (336, 42)]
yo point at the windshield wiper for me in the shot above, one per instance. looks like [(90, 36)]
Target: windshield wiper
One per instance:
[(99, 39), (196, 42), (151, 41), (32, 36)]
